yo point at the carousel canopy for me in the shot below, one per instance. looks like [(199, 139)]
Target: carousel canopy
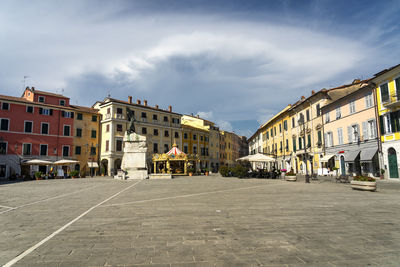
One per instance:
[(175, 151)]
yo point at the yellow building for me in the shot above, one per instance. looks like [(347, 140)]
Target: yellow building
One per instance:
[(86, 140), (161, 127), (388, 107), (196, 141)]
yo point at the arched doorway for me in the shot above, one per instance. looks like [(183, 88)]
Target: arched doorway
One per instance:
[(342, 165), (117, 164), (104, 167), (392, 159)]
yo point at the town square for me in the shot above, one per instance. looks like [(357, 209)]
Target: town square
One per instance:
[(199, 133)]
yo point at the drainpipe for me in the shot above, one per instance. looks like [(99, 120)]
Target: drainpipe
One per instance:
[(378, 128)]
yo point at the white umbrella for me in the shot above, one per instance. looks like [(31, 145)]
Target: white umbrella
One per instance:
[(38, 162), (244, 158), (65, 162), (260, 158)]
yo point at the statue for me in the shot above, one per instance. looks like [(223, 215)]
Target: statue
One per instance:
[(132, 120)]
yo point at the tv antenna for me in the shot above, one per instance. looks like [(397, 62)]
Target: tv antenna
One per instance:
[(24, 81)]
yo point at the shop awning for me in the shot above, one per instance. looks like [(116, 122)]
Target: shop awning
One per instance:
[(93, 165), (326, 158), (351, 156), (368, 154)]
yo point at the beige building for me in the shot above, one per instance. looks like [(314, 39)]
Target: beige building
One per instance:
[(161, 127), (350, 131)]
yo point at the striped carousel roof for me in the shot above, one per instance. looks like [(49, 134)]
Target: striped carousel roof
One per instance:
[(175, 151)]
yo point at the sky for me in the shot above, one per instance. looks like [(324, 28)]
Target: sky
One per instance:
[(236, 63)]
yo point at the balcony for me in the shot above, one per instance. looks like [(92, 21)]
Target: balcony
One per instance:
[(120, 116), (393, 101)]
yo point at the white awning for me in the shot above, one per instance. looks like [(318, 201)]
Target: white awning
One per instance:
[(368, 154), (93, 165), (351, 156), (326, 158)]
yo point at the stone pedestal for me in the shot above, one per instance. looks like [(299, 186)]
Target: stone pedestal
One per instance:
[(134, 159)]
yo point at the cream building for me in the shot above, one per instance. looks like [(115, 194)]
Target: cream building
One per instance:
[(161, 127)]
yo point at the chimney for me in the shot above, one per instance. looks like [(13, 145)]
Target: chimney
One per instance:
[(130, 99), (145, 102), (170, 108), (156, 106), (33, 88), (138, 102), (312, 92), (303, 97)]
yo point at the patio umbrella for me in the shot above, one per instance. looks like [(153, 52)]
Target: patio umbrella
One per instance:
[(260, 158), (65, 162), (38, 162), (244, 158)]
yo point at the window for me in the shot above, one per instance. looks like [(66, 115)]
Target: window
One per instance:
[(280, 128), (4, 124), (285, 125), (43, 150), (28, 126), (41, 99), (78, 150), (194, 137), (327, 117), (185, 149), (175, 120), (144, 115), (319, 143), (46, 111), (201, 138), (119, 145), (176, 135), (384, 92), (29, 109), (155, 148), (368, 100), (119, 110), (155, 117), (300, 143), (67, 114), (352, 106), (119, 127), (275, 131), (92, 150), (166, 134), (108, 110), (318, 109), (280, 146), (144, 130), (79, 116), (107, 145), (67, 130), (272, 133), (369, 129), (267, 134), (165, 118), (107, 127), (293, 122), (308, 115), (65, 151), (194, 149), (62, 102), (78, 132), (3, 148), (338, 113), (353, 133), (26, 149), (185, 136), (329, 139), (94, 118), (294, 143), (287, 145), (166, 149), (309, 140), (340, 135), (5, 106), (94, 134)]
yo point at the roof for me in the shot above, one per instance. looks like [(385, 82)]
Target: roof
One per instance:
[(85, 109), (133, 104), (44, 93), (385, 70), (193, 128), (199, 118)]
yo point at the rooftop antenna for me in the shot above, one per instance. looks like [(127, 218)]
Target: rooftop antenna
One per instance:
[(62, 91), (109, 94), (24, 80)]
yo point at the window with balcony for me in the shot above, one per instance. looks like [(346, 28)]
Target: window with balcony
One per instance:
[(67, 114), (46, 111)]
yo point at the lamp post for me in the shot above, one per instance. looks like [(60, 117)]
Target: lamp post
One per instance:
[(302, 123)]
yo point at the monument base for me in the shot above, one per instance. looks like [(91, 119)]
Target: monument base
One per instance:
[(134, 159)]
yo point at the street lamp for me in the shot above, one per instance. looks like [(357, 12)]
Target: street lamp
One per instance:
[(302, 123)]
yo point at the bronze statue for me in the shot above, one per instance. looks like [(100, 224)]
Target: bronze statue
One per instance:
[(131, 118)]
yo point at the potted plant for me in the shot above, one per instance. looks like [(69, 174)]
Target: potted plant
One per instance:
[(39, 175), (382, 174), (190, 171), (206, 172), (291, 176), (74, 174), (283, 172), (362, 182)]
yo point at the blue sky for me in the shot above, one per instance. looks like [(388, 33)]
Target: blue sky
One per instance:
[(233, 62)]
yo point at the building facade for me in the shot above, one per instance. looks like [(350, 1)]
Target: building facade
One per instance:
[(161, 127), (350, 132), (387, 84)]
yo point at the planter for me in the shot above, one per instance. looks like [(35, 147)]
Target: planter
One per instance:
[(291, 178), (190, 173), (365, 186), (283, 174), (207, 173)]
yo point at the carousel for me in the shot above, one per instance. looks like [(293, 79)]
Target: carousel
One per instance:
[(175, 162)]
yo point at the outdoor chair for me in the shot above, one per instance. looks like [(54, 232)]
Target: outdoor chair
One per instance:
[(314, 176)]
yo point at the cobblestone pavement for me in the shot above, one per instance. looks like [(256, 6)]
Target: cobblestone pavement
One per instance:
[(198, 221)]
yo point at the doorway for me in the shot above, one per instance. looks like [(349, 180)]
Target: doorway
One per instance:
[(392, 159), (342, 166)]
